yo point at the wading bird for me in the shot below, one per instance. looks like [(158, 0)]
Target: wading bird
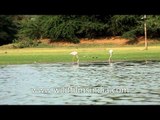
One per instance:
[(75, 57), (110, 55)]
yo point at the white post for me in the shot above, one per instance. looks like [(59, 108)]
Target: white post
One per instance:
[(145, 33)]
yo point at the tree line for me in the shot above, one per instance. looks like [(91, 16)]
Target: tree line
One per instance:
[(72, 28)]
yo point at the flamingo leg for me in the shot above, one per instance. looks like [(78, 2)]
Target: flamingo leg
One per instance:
[(77, 58), (109, 60), (73, 59)]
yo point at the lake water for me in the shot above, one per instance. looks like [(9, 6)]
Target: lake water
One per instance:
[(119, 83)]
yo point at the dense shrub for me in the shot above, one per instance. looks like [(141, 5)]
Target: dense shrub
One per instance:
[(26, 43)]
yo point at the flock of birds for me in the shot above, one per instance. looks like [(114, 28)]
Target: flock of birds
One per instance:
[(75, 58)]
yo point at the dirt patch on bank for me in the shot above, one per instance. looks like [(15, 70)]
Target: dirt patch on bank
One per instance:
[(112, 40)]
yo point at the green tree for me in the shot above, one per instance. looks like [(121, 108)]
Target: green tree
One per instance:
[(120, 24), (8, 29), (73, 27), (31, 27)]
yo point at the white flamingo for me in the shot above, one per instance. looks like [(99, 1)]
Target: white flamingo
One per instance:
[(110, 55), (75, 56)]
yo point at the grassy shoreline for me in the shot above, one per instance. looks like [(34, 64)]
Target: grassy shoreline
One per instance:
[(89, 54)]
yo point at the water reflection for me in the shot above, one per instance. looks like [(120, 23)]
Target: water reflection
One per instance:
[(39, 83), (75, 66)]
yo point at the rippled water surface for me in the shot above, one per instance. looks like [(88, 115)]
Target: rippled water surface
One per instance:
[(120, 83)]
